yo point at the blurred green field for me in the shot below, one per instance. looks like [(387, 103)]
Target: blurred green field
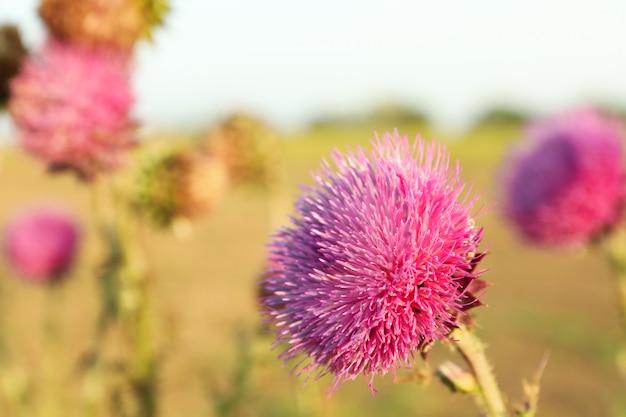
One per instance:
[(204, 289)]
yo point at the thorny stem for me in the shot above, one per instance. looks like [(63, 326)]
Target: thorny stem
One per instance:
[(488, 394), (532, 390)]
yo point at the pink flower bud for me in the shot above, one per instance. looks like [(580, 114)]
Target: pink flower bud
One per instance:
[(40, 243)]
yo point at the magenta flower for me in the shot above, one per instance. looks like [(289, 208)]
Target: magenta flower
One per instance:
[(567, 185), (377, 265), (71, 106), (40, 243)]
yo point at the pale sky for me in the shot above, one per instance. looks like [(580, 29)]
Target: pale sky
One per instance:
[(290, 61)]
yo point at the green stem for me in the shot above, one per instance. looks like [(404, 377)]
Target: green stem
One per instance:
[(621, 293), (51, 378), (15, 385), (614, 247), (488, 394), (90, 365), (136, 314)]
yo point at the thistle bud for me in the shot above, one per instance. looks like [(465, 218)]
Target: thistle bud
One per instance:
[(173, 183), (456, 378), (40, 243)]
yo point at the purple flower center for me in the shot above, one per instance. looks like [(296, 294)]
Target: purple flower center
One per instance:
[(544, 174)]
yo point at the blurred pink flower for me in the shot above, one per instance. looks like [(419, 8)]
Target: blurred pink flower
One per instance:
[(379, 263), (41, 242), (71, 106), (566, 184)]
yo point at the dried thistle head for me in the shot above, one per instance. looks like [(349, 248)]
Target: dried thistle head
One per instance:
[(111, 23), (12, 51), (247, 147), (174, 183), (205, 180)]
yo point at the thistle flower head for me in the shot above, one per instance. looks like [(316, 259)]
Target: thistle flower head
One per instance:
[(567, 185), (41, 242), (173, 183), (94, 23), (71, 106), (378, 264)]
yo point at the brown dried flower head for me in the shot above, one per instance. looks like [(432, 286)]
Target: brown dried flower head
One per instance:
[(247, 147), (174, 183), (12, 51), (205, 180), (109, 23)]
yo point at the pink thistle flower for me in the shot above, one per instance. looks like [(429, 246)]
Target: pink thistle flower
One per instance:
[(567, 185), (40, 243), (71, 106), (378, 264)]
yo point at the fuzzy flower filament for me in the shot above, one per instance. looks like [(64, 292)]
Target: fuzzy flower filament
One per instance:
[(378, 264)]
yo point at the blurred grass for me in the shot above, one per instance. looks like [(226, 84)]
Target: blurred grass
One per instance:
[(538, 302)]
